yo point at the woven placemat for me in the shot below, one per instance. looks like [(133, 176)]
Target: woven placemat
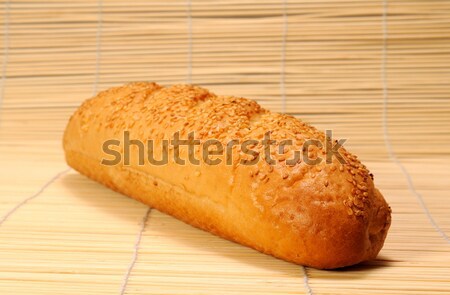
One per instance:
[(375, 72)]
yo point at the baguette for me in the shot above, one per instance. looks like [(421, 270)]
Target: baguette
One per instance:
[(327, 215)]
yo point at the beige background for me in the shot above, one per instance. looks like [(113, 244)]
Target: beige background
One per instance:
[(375, 72)]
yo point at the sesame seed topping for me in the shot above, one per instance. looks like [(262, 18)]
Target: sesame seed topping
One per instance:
[(188, 108)]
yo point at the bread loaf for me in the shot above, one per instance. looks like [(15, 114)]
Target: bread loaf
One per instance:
[(324, 215)]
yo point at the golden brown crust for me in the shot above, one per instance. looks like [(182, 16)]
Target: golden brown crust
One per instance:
[(324, 216)]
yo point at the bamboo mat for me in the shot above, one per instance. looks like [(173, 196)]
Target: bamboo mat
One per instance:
[(376, 72)]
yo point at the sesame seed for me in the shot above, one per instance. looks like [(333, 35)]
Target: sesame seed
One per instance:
[(357, 202)]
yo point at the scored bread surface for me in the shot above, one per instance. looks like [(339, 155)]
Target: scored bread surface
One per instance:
[(327, 215)]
